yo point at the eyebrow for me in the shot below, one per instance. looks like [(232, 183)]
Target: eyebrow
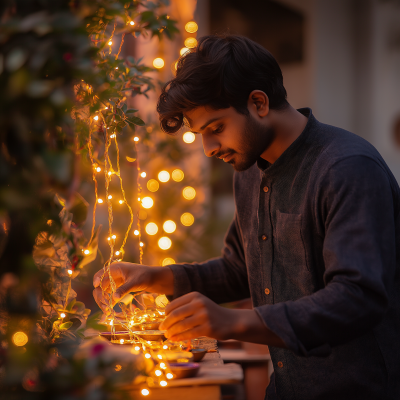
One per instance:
[(208, 123)]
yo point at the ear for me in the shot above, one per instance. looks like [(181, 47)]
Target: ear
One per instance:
[(258, 102)]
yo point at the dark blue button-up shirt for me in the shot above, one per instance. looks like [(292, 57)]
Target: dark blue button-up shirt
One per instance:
[(315, 242)]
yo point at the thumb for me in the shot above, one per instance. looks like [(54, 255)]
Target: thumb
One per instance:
[(124, 289)]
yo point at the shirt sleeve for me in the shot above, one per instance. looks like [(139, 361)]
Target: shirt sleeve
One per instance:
[(355, 206), (222, 279)]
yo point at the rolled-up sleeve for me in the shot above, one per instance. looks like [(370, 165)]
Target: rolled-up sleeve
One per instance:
[(222, 279), (354, 206)]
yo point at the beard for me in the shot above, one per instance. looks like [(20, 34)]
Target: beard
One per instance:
[(255, 140)]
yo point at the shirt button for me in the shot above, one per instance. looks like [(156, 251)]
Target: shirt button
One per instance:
[(280, 364), (265, 188), (264, 237), (266, 291)]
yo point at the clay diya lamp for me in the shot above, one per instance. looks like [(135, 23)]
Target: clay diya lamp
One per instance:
[(198, 354), (177, 356), (150, 326), (151, 335), (184, 370)]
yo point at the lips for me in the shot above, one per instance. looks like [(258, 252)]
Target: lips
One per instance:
[(227, 157)]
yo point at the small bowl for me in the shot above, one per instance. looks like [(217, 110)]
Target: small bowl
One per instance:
[(177, 356), (151, 335), (117, 336), (198, 354), (184, 370)]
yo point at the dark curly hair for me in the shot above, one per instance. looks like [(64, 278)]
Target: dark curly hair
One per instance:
[(220, 72)]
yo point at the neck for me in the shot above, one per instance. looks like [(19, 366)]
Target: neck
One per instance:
[(287, 126)]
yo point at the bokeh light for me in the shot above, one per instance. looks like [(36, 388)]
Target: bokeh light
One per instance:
[(136, 232), (164, 243), (151, 228), (189, 137), (20, 338), (100, 201), (163, 383), (187, 219), (163, 176), (191, 27), (153, 185), (189, 193), (183, 51), (147, 202), (158, 63), (177, 175), (143, 174), (169, 226), (145, 392), (168, 261), (191, 42)]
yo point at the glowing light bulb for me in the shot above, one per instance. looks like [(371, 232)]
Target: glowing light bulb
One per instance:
[(158, 63), (160, 356), (169, 226), (86, 252), (100, 201), (167, 261), (117, 253), (177, 175), (122, 341), (121, 202), (147, 202), (106, 108), (20, 338), (136, 139), (111, 322), (98, 169), (147, 355), (136, 232), (157, 372), (96, 117), (143, 174), (116, 67), (132, 23), (163, 383), (153, 185), (112, 136), (110, 43), (62, 315), (183, 51), (141, 244), (151, 228), (69, 272), (138, 198), (165, 347), (191, 42), (169, 375), (164, 243), (137, 348), (109, 197), (189, 137), (162, 365), (108, 238), (189, 193), (109, 173), (114, 237), (187, 219), (163, 176), (145, 392), (191, 27)]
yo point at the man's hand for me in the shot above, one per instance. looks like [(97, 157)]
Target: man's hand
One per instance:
[(194, 315), (130, 277)]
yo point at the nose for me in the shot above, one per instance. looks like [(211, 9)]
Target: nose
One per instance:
[(211, 145)]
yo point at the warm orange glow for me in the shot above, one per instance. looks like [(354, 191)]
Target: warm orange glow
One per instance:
[(177, 175), (158, 63), (189, 137), (163, 176), (187, 219), (143, 174), (100, 201), (191, 27), (132, 23), (157, 372), (153, 185), (62, 315), (167, 261), (169, 226), (109, 197), (136, 232), (151, 228), (183, 51), (98, 169), (70, 272), (163, 383), (110, 43), (145, 392), (191, 42), (169, 375), (164, 243), (86, 252), (189, 193), (161, 301), (20, 338)]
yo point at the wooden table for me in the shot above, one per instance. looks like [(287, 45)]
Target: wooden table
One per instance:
[(206, 385)]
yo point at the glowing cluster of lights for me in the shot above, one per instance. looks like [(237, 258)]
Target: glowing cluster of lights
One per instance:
[(20, 339)]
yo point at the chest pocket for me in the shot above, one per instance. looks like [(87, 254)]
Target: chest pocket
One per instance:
[(290, 252)]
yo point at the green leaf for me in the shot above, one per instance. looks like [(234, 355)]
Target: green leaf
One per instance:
[(79, 209), (65, 326), (136, 121), (78, 307), (70, 305)]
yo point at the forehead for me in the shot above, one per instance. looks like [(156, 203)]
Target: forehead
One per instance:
[(200, 116)]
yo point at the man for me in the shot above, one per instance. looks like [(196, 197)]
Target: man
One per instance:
[(314, 241)]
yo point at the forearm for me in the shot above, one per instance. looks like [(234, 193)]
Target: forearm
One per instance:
[(249, 327), (162, 281)]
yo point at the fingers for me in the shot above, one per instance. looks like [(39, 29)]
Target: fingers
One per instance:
[(177, 315), (100, 300), (186, 324), (189, 334), (180, 301)]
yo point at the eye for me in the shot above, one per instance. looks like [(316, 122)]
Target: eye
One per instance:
[(219, 129)]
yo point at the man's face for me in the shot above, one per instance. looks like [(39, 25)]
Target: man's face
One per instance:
[(236, 138)]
